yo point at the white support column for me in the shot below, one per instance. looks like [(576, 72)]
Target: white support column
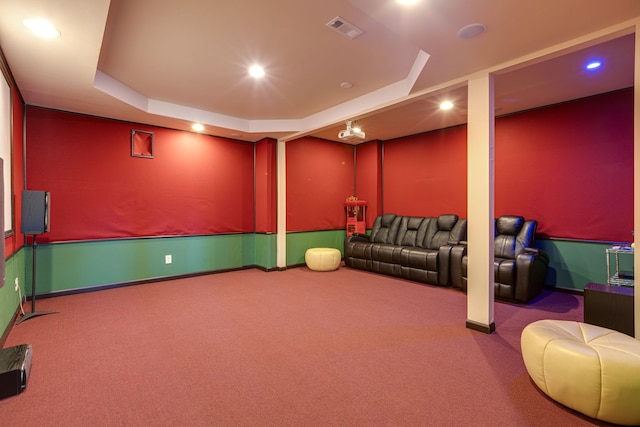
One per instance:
[(281, 240), (636, 176), (480, 204)]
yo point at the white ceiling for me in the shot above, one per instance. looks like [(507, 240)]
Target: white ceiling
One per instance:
[(171, 63)]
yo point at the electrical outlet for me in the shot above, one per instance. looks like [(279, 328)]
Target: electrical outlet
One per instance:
[(168, 259), (17, 284)]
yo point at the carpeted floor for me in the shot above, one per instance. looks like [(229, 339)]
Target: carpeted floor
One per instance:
[(285, 348)]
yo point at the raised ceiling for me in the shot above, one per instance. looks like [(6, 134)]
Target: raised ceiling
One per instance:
[(169, 63)]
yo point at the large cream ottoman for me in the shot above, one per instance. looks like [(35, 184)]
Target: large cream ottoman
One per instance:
[(322, 259), (591, 369)]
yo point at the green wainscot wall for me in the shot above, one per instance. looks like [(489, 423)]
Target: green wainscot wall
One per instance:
[(265, 251), (299, 242), (574, 264), (9, 296), (71, 266)]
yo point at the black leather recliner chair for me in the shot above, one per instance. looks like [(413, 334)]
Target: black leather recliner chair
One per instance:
[(519, 268)]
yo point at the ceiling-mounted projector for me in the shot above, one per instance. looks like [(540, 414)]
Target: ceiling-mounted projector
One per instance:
[(351, 133)]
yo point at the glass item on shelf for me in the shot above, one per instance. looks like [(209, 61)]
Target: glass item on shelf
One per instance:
[(622, 276)]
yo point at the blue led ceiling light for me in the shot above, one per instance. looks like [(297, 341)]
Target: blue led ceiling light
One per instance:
[(593, 65)]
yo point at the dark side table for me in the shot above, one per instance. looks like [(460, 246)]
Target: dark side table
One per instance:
[(609, 306)]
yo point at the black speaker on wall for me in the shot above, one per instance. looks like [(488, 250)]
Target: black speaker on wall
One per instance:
[(35, 220), (35, 211)]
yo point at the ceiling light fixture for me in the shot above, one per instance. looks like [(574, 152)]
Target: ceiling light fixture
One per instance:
[(471, 31), (593, 65), (197, 127), (346, 85), (446, 105), (256, 71), (407, 2), (42, 28)]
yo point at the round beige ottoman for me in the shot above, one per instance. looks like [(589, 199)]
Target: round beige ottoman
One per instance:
[(322, 259), (594, 370)]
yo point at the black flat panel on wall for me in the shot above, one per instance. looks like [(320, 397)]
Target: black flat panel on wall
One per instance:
[(35, 211)]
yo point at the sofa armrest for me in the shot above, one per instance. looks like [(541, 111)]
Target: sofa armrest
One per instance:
[(531, 270), (458, 252), (444, 265), (356, 246), (363, 235), (358, 237)]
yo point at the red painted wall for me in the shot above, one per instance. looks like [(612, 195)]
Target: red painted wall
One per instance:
[(426, 174), (195, 184), (369, 178), (320, 176), (570, 166), (266, 186)]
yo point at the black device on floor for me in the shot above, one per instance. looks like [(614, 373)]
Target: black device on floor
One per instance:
[(15, 364)]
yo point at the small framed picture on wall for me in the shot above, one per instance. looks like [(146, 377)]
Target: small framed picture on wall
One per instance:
[(141, 144)]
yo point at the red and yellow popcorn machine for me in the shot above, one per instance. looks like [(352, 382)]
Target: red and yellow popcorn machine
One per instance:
[(356, 210)]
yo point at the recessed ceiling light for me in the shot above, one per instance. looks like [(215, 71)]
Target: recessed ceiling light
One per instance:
[(42, 28), (446, 105), (407, 2), (197, 127), (593, 65), (256, 71), (471, 31), (346, 85)]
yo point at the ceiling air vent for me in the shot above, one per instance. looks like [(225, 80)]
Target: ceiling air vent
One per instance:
[(346, 28)]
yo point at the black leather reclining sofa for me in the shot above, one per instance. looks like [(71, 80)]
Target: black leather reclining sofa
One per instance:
[(433, 250), (414, 248)]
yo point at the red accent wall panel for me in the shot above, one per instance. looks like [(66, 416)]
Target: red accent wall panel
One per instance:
[(426, 174), (320, 176), (15, 241), (266, 186), (195, 184), (569, 166), (369, 178)]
